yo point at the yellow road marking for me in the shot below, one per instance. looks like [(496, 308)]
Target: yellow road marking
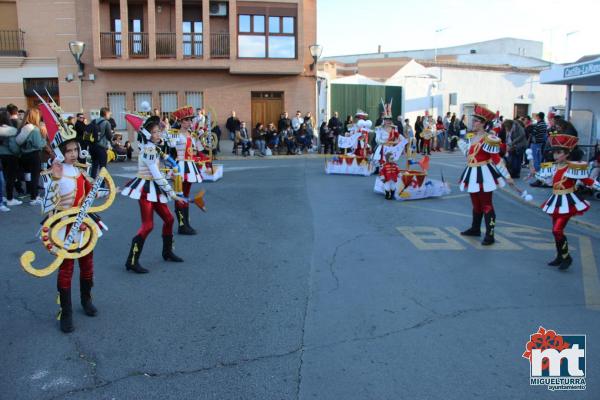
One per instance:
[(429, 238), (530, 237), (455, 196), (589, 269), (501, 242), (591, 284)]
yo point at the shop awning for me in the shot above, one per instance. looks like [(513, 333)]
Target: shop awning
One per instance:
[(585, 73)]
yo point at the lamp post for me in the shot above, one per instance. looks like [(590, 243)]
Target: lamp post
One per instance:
[(315, 51), (77, 47)]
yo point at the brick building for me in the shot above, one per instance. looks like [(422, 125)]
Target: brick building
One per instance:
[(248, 56)]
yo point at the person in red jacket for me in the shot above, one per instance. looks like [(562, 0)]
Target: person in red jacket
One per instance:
[(389, 176), (564, 202), (484, 173)]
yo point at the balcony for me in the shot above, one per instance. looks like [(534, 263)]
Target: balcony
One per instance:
[(12, 43), (110, 45), (138, 45), (219, 45), (166, 45)]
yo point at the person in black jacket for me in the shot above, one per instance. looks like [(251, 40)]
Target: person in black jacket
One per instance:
[(232, 125), (98, 150), (284, 122), (335, 126)]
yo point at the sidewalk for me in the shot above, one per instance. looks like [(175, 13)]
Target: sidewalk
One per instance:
[(227, 155), (590, 220)]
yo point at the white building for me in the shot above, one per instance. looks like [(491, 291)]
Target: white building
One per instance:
[(456, 88), (502, 74)]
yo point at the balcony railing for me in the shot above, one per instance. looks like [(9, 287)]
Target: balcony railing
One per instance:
[(219, 45), (166, 45), (138, 44), (12, 43), (110, 44), (192, 45)]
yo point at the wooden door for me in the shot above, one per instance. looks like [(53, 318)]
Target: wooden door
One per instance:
[(266, 109), (521, 110)]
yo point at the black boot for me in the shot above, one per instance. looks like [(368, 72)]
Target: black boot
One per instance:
[(167, 251), (558, 260), (475, 229), (490, 224), (133, 264), (566, 257), (85, 288), (387, 194), (183, 216), (392, 195), (66, 310)]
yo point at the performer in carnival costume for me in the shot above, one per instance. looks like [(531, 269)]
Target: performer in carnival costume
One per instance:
[(427, 135), (71, 228), (152, 190), (389, 176), (361, 128), (183, 146), (386, 136), (564, 202), (485, 171)]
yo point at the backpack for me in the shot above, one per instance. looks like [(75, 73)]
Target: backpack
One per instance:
[(91, 132)]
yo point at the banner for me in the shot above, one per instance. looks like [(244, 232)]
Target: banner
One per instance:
[(396, 150), (348, 142)]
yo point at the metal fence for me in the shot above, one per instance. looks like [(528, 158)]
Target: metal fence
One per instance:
[(12, 43), (166, 45), (219, 45), (110, 44)]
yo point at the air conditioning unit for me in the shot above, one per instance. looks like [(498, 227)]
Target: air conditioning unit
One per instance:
[(218, 9)]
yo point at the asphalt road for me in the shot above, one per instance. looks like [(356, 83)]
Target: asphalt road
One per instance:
[(303, 286)]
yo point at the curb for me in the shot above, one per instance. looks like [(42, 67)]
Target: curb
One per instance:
[(576, 221)]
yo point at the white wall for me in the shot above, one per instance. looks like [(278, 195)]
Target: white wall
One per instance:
[(499, 90), (583, 100)]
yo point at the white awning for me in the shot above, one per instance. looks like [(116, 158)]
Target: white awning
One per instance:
[(585, 74)]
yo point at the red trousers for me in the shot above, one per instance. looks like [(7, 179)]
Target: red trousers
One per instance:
[(65, 271), (187, 187), (482, 202), (147, 208), (559, 223)]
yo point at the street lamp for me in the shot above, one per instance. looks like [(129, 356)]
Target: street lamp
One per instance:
[(77, 47), (315, 52)]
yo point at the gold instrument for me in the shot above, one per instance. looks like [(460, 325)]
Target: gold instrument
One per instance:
[(71, 220), (209, 140)]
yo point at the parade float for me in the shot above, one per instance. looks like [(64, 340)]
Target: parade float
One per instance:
[(356, 150), (413, 183)]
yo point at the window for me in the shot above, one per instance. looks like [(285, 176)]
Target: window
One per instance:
[(141, 97), (277, 40), (168, 103), (192, 38), (193, 99), (244, 24), (116, 103)]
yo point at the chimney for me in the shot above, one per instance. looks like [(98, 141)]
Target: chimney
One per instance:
[(378, 49)]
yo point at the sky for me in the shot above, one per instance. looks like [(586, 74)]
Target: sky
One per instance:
[(568, 29)]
